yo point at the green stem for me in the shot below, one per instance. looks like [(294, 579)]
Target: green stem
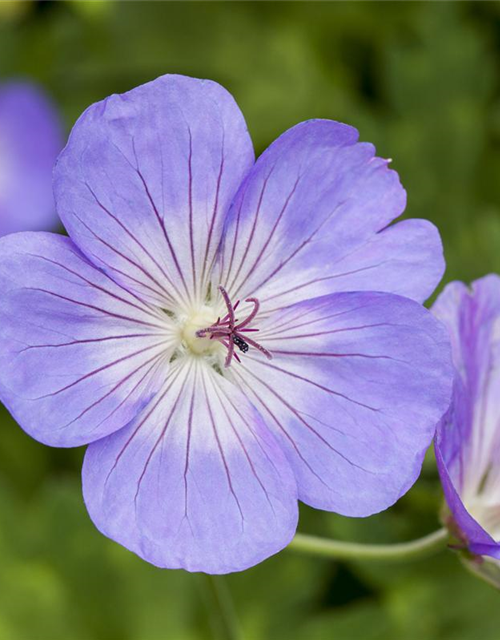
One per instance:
[(400, 552), (221, 607)]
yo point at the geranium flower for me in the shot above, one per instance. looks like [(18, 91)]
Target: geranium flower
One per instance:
[(230, 337), (468, 440), (30, 140)]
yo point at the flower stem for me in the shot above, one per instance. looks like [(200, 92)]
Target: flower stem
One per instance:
[(220, 604), (400, 552)]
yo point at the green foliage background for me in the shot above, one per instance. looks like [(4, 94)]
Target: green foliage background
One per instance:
[(420, 80)]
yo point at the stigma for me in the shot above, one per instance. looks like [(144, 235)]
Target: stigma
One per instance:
[(230, 332)]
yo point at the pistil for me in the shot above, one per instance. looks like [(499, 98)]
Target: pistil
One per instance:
[(230, 332)]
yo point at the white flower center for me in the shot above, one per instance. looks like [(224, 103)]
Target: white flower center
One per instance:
[(191, 324)]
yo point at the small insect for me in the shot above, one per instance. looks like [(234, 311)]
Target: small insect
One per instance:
[(240, 343)]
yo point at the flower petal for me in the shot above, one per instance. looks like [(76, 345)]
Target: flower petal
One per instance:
[(145, 181), (196, 482), (405, 259), (305, 223), (355, 389), (468, 439), (468, 528), (79, 355), (30, 139)]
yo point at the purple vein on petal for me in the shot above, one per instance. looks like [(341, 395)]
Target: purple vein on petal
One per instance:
[(306, 424), (221, 249), (215, 211), (296, 412), (268, 240), (315, 384), (102, 368), (221, 450), (323, 279), (160, 438), (254, 225), (160, 220), (125, 379), (127, 276), (143, 307), (161, 288), (218, 392), (324, 354), (252, 432), (296, 251), (277, 336), (188, 442), (144, 418), (283, 430), (134, 239), (94, 307), (86, 341), (252, 232), (190, 209), (250, 429), (156, 361), (300, 315)]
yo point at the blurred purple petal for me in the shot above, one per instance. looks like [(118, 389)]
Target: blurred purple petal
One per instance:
[(30, 140)]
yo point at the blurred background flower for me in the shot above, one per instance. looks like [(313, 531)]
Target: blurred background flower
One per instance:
[(420, 80), (468, 439), (30, 141)]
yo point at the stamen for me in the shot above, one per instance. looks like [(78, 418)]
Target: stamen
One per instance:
[(230, 309), (259, 347), (229, 332), (230, 353), (248, 320)]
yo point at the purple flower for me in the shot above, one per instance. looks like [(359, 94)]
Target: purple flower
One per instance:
[(229, 337), (468, 440), (30, 140)]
